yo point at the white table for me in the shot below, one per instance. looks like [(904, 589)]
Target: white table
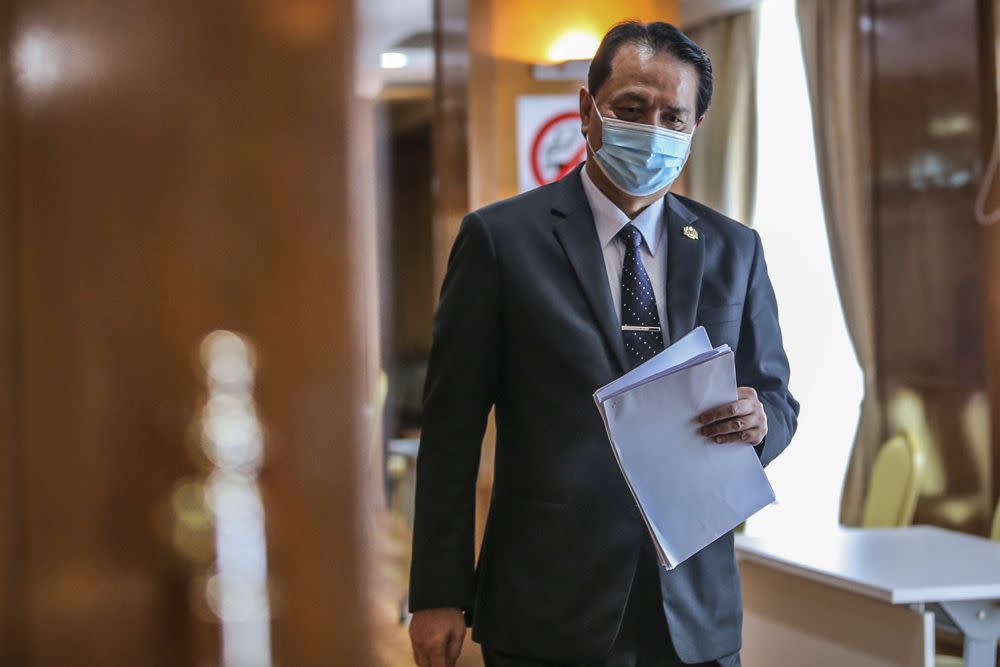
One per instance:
[(407, 447), (402, 465), (956, 576)]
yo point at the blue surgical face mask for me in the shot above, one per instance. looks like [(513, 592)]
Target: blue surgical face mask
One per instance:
[(640, 159)]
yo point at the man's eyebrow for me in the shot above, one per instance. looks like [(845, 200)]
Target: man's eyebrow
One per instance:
[(633, 96)]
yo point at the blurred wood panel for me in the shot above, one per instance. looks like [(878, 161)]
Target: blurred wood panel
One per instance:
[(11, 616), (990, 13), (180, 167), (410, 272), (451, 128), (929, 137)]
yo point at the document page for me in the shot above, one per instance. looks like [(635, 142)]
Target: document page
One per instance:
[(691, 345), (690, 490)]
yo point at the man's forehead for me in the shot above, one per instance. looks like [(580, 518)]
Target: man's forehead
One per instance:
[(638, 64)]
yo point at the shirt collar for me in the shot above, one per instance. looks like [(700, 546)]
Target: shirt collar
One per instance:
[(610, 219)]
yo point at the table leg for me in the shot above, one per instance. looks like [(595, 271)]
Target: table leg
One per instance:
[(980, 652), (979, 622)]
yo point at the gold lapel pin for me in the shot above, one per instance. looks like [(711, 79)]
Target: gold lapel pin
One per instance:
[(690, 232)]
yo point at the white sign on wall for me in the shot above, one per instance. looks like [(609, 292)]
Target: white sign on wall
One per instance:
[(549, 143)]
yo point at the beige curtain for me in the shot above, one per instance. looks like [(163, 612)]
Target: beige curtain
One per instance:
[(832, 49), (722, 169)]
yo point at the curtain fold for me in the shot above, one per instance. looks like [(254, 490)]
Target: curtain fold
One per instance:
[(834, 61), (722, 169)]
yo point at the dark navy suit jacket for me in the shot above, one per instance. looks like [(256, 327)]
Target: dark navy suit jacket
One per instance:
[(526, 324)]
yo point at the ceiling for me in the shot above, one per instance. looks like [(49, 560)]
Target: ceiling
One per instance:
[(402, 26)]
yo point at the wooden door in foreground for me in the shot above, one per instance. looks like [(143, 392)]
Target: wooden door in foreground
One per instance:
[(169, 169)]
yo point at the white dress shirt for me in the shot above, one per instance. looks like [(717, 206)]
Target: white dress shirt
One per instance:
[(609, 220)]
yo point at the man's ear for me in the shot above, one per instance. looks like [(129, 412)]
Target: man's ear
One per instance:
[(698, 124), (586, 102)]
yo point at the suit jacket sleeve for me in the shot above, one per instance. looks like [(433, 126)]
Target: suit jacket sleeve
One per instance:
[(458, 395), (761, 362)]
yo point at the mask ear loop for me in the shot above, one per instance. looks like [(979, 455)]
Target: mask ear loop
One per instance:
[(596, 160), (599, 117), (982, 217)]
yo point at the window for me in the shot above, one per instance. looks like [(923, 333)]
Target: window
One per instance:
[(808, 478)]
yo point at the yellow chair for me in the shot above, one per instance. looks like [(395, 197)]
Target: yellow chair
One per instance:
[(940, 505), (895, 484), (948, 661), (995, 530)]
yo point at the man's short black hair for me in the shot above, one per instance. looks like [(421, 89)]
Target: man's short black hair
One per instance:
[(659, 37)]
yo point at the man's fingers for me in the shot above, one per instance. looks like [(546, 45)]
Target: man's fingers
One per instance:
[(455, 646), (430, 653), (740, 408), (435, 633), (734, 425), (419, 655), (438, 657), (752, 436), (422, 658)]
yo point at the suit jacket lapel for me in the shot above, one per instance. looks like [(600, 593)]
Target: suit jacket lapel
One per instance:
[(685, 265), (576, 231)]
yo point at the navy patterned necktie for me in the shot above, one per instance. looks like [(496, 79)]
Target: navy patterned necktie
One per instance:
[(640, 319)]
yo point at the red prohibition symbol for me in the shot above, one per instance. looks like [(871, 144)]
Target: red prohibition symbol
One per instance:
[(536, 145)]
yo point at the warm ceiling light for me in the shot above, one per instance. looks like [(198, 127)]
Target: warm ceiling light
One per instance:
[(574, 45), (394, 60)]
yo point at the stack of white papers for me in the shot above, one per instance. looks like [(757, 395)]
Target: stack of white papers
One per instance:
[(690, 490)]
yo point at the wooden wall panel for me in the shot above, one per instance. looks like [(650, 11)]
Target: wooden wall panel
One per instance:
[(990, 53), (410, 271), (11, 572), (452, 39), (181, 166), (929, 137)]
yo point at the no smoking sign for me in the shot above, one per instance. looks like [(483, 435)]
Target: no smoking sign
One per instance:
[(549, 142)]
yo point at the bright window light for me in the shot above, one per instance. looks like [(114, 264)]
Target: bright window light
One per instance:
[(573, 45), (808, 478), (394, 60)]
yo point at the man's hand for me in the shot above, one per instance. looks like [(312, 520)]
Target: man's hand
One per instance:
[(437, 636), (742, 421)]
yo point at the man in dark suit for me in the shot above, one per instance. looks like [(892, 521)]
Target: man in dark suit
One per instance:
[(549, 296)]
